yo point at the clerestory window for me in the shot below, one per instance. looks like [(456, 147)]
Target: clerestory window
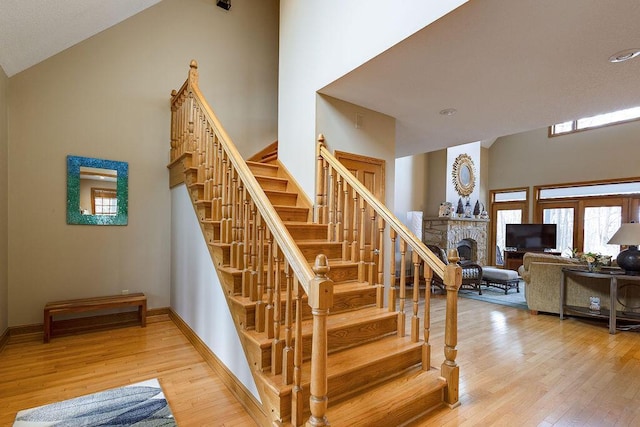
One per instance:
[(600, 120)]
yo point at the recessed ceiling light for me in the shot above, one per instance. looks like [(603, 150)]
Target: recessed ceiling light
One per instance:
[(448, 111), (624, 55)]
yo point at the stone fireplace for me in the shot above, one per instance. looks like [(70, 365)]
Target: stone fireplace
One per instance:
[(466, 234)]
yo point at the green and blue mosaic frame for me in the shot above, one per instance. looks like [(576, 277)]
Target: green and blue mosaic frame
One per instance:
[(74, 216)]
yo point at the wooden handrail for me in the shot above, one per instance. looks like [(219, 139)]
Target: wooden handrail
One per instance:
[(225, 191), (291, 253), (333, 179), (423, 252)]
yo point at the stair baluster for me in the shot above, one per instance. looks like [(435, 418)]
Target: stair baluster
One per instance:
[(288, 352), (297, 402), (277, 344), (403, 288)]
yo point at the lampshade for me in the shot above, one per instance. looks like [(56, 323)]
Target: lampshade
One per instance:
[(628, 234)]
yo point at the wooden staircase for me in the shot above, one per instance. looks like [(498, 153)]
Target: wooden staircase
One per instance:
[(373, 373), (323, 351)]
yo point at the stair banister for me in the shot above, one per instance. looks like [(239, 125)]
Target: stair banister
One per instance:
[(280, 233), (423, 252), (451, 274), (314, 282)]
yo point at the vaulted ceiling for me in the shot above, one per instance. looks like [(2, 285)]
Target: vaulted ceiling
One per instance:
[(506, 66)]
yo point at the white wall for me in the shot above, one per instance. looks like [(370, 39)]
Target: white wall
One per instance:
[(411, 184), (321, 40), (4, 195), (107, 97), (196, 293)]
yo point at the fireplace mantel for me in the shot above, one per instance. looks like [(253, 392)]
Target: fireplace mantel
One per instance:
[(447, 232)]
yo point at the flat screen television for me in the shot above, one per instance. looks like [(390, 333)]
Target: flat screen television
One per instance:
[(531, 236)]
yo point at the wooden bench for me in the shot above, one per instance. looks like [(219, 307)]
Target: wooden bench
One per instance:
[(93, 304)]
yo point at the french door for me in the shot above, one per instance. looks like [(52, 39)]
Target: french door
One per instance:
[(585, 225)]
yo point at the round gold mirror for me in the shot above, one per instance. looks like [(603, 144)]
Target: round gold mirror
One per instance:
[(464, 177)]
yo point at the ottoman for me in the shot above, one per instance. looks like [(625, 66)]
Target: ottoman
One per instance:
[(500, 278)]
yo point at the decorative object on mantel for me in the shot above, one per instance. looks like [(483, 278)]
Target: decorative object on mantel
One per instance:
[(476, 209), (484, 214), (460, 210), (446, 209), (629, 260), (467, 209), (464, 178)]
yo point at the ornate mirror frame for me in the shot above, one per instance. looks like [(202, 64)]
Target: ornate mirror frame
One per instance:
[(74, 215), (464, 175)]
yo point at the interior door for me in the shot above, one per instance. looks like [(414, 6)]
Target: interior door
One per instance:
[(370, 172)]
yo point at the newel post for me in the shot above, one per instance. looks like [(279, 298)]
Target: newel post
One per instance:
[(321, 185), (449, 369), (320, 300)]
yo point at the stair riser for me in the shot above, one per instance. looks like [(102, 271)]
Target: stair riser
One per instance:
[(339, 273), (341, 387), (282, 199), (342, 302), (272, 184), (330, 250), (290, 213), (263, 169), (211, 232), (338, 338), (301, 232), (204, 210), (232, 282)]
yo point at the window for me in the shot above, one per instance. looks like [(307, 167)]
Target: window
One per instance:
[(508, 206), (104, 201), (615, 117), (588, 214)]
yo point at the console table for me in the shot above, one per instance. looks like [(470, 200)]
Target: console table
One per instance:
[(614, 277)]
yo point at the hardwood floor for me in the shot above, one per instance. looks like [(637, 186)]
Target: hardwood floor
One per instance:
[(515, 369), (33, 373)]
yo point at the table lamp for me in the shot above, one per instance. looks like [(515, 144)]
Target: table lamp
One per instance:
[(629, 260)]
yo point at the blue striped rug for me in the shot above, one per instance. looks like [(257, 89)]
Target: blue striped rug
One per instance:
[(141, 404)]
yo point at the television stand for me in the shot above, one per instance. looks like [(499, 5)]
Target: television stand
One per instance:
[(513, 258)]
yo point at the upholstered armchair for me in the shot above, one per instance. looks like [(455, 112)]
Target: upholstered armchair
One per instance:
[(471, 272)]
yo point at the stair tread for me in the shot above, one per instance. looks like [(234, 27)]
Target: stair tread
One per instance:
[(260, 164), (284, 207), (334, 321), (404, 390), (352, 359), (340, 288), (270, 178)]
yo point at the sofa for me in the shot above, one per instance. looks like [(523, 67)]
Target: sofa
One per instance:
[(542, 274)]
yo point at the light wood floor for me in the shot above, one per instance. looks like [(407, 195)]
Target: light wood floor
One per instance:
[(516, 369), (34, 374)]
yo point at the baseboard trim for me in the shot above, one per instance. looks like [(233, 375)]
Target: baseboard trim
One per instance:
[(4, 338), (244, 396)]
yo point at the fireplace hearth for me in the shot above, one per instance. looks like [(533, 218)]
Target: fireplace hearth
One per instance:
[(449, 233)]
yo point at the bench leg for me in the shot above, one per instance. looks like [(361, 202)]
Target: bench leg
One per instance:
[(142, 311), (47, 327)]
